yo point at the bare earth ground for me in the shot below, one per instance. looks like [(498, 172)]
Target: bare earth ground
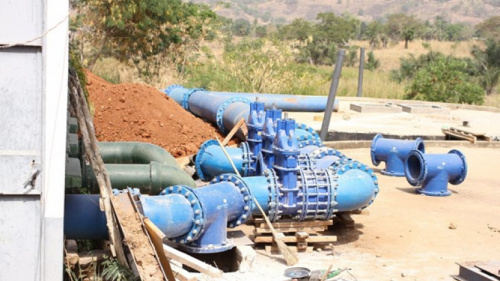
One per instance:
[(407, 236)]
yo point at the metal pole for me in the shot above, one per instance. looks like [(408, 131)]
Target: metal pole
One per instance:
[(360, 75), (331, 96)]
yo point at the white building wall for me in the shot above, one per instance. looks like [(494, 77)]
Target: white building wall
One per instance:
[(33, 106)]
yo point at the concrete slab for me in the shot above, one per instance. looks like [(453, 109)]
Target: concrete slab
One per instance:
[(375, 107), (424, 109), (348, 124)]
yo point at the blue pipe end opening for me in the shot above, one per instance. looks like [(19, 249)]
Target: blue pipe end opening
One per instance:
[(433, 171)]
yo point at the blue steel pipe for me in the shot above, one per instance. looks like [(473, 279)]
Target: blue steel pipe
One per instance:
[(433, 171), (394, 153), (285, 102), (197, 218), (226, 109), (83, 218)]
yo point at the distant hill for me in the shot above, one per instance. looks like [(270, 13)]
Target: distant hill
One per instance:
[(283, 11)]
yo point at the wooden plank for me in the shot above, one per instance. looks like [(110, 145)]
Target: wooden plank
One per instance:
[(311, 230), (142, 250), (293, 239), (293, 224), (275, 250), (459, 135), (157, 238), (233, 131), (182, 274), (192, 262)]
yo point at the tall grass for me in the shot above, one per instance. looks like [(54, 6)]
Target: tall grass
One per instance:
[(217, 73)]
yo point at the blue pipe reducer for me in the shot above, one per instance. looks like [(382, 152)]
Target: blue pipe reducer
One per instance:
[(394, 153), (433, 171)]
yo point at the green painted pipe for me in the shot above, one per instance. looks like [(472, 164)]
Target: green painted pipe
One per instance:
[(149, 178), (134, 153)]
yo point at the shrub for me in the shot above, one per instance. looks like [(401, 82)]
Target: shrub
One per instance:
[(444, 80)]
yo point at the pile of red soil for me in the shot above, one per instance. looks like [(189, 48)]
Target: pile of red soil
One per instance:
[(136, 112)]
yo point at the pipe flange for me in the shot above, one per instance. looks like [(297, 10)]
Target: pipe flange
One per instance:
[(422, 175), (463, 174), (333, 193), (310, 130), (199, 156), (301, 142), (198, 218), (322, 152), (372, 149), (223, 106), (245, 192), (272, 185), (186, 95), (341, 168), (169, 89), (247, 159)]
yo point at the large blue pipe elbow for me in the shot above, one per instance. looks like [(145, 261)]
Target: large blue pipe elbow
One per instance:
[(434, 171), (357, 186), (393, 153)]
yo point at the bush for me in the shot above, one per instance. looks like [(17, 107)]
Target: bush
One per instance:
[(372, 63), (444, 80)]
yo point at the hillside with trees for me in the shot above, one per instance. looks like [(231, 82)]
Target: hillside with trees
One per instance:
[(470, 12), (170, 41)]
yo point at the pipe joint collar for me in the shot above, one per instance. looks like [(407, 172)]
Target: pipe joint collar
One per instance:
[(198, 217), (186, 95), (199, 157), (273, 186), (169, 89), (247, 159), (246, 213), (222, 107)]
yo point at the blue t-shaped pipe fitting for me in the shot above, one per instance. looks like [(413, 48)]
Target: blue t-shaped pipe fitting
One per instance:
[(434, 171), (393, 153)]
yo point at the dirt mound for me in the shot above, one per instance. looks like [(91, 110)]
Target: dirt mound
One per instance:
[(136, 112)]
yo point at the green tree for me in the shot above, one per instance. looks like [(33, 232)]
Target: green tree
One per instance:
[(488, 62), (444, 80), (142, 31), (403, 27), (489, 29), (241, 27)]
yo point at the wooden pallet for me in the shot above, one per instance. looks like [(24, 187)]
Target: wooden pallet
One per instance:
[(300, 234), (456, 133)]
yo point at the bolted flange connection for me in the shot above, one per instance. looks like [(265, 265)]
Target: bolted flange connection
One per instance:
[(245, 192), (198, 218)]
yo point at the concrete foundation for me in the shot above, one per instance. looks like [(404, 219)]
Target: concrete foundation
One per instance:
[(424, 109), (375, 107)]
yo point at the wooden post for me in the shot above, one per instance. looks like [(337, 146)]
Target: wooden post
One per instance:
[(81, 110)]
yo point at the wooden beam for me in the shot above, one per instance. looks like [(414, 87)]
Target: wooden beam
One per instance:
[(233, 131), (80, 107), (157, 238), (192, 262), (293, 239)]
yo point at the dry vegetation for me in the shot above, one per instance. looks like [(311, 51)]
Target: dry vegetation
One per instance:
[(377, 84)]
